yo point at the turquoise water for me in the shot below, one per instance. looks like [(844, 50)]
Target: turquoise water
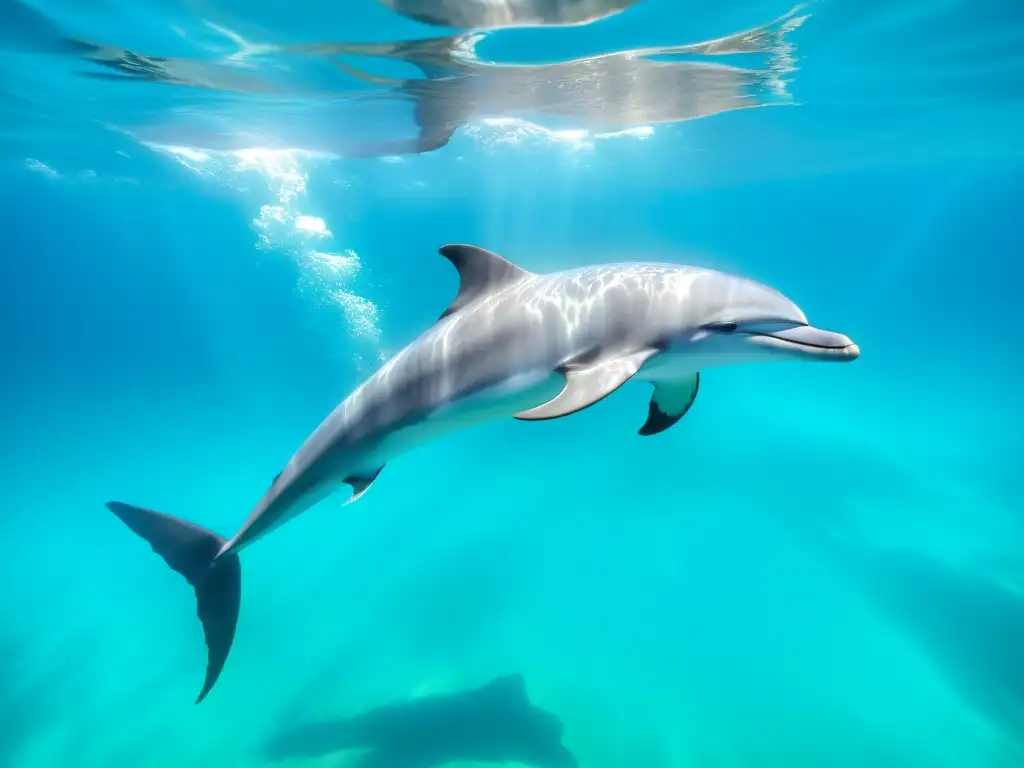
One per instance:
[(818, 566)]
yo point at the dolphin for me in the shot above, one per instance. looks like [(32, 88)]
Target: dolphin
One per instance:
[(511, 344), (495, 723)]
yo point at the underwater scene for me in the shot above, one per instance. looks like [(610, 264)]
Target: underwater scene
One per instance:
[(512, 384)]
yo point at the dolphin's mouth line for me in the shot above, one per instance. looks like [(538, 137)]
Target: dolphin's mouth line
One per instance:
[(794, 343)]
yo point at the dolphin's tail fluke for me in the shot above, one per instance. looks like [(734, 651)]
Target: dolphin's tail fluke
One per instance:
[(193, 552)]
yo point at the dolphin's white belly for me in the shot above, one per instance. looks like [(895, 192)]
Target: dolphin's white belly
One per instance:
[(501, 401)]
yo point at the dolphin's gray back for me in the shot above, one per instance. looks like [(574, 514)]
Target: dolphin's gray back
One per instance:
[(504, 344)]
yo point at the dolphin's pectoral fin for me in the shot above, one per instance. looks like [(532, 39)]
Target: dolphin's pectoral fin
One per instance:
[(480, 272), (585, 384), (361, 483), (434, 137), (436, 120), (670, 402)]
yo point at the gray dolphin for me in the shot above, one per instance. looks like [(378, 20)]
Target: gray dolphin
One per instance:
[(512, 343)]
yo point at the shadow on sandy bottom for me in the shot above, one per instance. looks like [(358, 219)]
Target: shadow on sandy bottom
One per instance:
[(26, 706), (493, 723), (968, 622), (960, 602)]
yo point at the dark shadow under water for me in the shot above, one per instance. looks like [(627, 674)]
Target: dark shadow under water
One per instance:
[(970, 624), (493, 723), (964, 613), (968, 621)]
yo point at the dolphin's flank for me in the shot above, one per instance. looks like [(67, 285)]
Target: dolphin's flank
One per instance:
[(511, 344)]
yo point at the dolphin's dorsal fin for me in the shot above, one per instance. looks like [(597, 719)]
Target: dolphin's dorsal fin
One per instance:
[(480, 272), (589, 381), (671, 400)]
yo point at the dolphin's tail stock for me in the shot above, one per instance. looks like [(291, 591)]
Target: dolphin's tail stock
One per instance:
[(217, 580)]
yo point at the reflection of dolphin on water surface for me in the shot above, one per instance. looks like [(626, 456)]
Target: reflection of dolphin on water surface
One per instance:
[(609, 92), (512, 343), (438, 57), (489, 14), (495, 723)]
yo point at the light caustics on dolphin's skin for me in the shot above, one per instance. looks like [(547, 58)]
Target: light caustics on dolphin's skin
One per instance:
[(511, 344), (491, 14)]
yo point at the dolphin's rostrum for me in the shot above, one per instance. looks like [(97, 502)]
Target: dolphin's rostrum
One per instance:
[(512, 343)]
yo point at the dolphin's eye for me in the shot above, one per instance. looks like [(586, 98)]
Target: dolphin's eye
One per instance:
[(722, 327)]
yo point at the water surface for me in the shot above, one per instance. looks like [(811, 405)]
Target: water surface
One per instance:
[(221, 216)]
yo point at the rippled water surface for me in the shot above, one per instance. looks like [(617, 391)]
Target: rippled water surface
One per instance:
[(221, 216), (874, 79)]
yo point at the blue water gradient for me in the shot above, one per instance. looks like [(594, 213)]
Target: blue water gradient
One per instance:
[(168, 341)]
